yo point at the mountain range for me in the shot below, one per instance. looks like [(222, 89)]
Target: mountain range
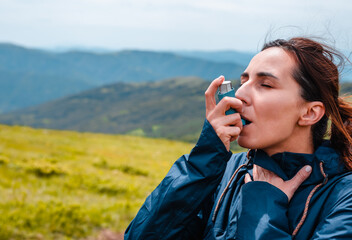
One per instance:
[(30, 76), (173, 108), (143, 93)]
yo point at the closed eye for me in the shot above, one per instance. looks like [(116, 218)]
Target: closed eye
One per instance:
[(266, 85)]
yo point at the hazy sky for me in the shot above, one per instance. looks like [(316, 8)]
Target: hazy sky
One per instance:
[(171, 24)]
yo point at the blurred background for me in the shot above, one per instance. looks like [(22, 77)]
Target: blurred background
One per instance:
[(99, 98)]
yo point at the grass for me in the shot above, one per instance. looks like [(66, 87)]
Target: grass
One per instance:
[(69, 185)]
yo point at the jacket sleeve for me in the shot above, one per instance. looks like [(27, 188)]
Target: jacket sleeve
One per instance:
[(337, 222), (172, 210), (263, 212)]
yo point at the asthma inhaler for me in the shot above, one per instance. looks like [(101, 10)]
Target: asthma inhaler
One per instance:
[(226, 90)]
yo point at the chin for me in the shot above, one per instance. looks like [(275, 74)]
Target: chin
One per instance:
[(243, 143), (246, 143)]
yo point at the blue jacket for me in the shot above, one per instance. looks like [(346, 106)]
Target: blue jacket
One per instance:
[(203, 196)]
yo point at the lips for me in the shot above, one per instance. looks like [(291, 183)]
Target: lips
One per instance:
[(246, 120)]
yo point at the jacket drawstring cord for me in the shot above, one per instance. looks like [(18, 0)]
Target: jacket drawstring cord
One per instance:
[(305, 212), (228, 185)]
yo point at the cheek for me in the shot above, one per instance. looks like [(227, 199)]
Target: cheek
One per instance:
[(277, 119), (281, 110), (275, 122)]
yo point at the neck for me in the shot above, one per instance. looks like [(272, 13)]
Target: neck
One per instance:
[(301, 143)]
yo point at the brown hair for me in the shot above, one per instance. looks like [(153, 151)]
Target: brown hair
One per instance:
[(318, 77)]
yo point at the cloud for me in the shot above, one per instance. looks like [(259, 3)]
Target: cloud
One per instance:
[(172, 24)]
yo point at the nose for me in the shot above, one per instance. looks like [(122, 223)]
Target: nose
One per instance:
[(243, 93)]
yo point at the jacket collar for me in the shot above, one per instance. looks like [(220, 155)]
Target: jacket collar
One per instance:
[(287, 164)]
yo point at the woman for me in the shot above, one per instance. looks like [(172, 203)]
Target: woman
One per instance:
[(292, 184)]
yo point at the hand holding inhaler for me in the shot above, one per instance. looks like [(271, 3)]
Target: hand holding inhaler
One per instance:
[(226, 90), (227, 126)]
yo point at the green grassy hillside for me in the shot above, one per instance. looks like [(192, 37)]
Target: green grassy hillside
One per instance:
[(173, 109), (69, 185)]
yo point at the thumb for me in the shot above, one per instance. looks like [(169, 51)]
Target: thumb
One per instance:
[(247, 178), (300, 177)]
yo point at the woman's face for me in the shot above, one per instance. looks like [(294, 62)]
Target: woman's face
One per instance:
[(271, 102)]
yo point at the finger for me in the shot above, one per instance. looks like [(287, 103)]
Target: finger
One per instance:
[(300, 177), (233, 132), (226, 133), (234, 138), (255, 172), (261, 174), (229, 102), (230, 120), (265, 174), (247, 178), (210, 102), (235, 135)]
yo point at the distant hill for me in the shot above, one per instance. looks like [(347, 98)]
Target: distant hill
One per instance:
[(171, 108), (20, 90), (243, 58), (29, 76), (230, 56)]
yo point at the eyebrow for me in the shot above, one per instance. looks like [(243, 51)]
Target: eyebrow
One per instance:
[(260, 74)]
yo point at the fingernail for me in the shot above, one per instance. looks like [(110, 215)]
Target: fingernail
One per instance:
[(308, 168)]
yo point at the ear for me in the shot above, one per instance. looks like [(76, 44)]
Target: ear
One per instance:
[(312, 113)]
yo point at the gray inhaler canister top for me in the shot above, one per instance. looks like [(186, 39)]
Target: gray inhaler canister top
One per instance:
[(226, 90)]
